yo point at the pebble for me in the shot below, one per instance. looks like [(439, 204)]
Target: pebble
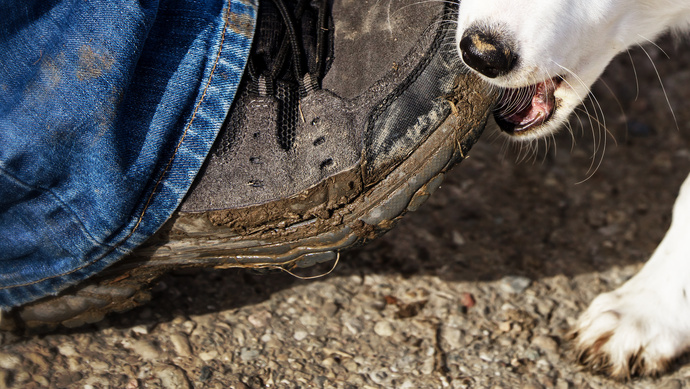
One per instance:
[(181, 345), (353, 325), (545, 343), (9, 361), (188, 326), (458, 239), (208, 355), (67, 349), (383, 328), (99, 365), (300, 335), (329, 309), (248, 354), (309, 320), (146, 350), (41, 380), (486, 357), (259, 319), (140, 330), (452, 337), (38, 360), (515, 284), (171, 377), (467, 300)]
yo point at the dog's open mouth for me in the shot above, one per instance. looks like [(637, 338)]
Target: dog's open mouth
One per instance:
[(521, 109)]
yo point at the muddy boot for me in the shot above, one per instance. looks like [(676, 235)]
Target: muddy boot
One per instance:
[(347, 118)]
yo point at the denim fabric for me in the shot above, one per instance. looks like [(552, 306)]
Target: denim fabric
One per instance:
[(108, 109)]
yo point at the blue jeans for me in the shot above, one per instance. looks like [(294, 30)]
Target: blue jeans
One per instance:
[(108, 109)]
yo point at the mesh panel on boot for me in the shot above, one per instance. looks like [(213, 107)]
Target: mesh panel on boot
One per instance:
[(288, 96)]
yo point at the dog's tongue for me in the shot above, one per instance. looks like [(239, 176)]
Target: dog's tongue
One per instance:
[(527, 107)]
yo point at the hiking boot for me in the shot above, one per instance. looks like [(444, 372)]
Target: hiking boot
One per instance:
[(347, 118)]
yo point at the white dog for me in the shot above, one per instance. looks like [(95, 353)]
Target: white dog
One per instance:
[(545, 55)]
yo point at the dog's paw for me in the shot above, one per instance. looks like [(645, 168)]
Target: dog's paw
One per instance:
[(630, 334)]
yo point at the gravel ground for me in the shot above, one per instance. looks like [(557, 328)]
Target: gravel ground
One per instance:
[(477, 289)]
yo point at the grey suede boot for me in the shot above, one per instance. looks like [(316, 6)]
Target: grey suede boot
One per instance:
[(348, 116)]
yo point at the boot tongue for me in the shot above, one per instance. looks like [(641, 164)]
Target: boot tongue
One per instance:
[(268, 39)]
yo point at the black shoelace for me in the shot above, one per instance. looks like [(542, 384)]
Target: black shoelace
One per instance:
[(291, 53)]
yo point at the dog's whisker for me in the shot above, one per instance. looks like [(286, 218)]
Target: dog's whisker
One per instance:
[(599, 143), (655, 45), (663, 89), (637, 80)]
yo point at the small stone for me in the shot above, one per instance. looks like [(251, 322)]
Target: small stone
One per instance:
[(329, 309), (467, 300), (515, 284), (67, 349), (146, 350), (207, 356), (38, 360), (505, 326), (181, 345), (9, 361), (458, 239), (545, 306), (259, 319), (188, 326), (428, 366), (97, 365), (532, 355), (140, 330), (248, 354), (545, 343), (379, 377), (452, 337), (353, 325), (205, 373), (383, 328), (309, 320), (544, 365), (42, 381), (172, 377), (132, 384), (300, 335), (328, 362), (22, 376)]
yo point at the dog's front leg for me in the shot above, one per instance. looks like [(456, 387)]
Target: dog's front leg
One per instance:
[(644, 324)]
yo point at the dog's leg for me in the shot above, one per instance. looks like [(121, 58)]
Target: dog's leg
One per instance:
[(641, 326)]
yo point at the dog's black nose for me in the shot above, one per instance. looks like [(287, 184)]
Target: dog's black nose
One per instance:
[(486, 53)]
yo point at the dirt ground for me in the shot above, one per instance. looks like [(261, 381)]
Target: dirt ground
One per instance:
[(477, 289)]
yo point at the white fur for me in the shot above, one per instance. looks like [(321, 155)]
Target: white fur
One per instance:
[(575, 39), (645, 323)]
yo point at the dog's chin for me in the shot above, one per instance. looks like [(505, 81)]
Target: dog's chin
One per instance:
[(530, 112)]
